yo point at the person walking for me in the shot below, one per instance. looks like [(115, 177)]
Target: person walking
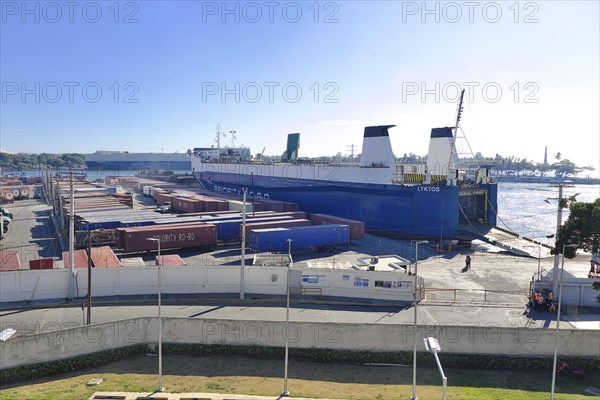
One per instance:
[(468, 262)]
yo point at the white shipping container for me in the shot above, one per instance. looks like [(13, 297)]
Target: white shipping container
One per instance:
[(235, 205)]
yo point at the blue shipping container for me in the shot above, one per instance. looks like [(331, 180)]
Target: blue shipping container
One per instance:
[(228, 231), (303, 238)]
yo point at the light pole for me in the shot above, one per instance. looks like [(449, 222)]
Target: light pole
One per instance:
[(160, 387), (433, 346), (285, 392), (560, 281), (71, 236), (414, 392), (243, 250)]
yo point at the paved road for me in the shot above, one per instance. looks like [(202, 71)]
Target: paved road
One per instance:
[(30, 231), (41, 320)]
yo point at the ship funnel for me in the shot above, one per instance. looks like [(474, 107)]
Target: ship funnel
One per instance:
[(293, 144), (442, 157), (377, 148)]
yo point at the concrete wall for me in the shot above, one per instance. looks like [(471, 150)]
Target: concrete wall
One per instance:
[(575, 291), (54, 341), (53, 284), (51, 342)]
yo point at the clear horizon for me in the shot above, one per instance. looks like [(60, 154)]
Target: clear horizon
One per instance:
[(78, 77)]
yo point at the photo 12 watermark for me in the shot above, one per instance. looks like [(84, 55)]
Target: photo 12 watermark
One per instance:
[(69, 92), (125, 332), (269, 92), (489, 92), (473, 333), (252, 12), (272, 333), (54, 12), (453, 12)]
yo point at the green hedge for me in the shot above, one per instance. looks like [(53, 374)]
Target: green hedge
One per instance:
[(33, 371), (449, 360)]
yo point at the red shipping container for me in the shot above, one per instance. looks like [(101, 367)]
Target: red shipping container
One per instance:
[(103, 257), (42, 263), (9, 261), (80, 257), (170, 260), (172, 237), (188, 205), (275, 224), (357, 228)]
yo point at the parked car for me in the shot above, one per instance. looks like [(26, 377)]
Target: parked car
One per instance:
[(165, 207)]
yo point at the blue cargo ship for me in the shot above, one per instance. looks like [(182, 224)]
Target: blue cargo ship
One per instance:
[(423, 200)]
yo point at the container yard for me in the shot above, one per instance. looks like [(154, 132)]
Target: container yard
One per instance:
[(117, 224)]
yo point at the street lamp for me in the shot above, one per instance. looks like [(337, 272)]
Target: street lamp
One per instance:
[(414, 392), (285, 392), (560, 281), (160, 387), (433, 346)]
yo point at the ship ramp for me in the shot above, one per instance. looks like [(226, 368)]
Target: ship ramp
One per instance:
[(510, 241)]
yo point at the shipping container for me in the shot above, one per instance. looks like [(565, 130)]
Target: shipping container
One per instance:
[(170, 260), (357, 228), (289, 223), (239, 205), (171, 237), (321, 237), (103, 257), (9, 261), (230, 230), (188, 205), (80, 258), (42, 263)]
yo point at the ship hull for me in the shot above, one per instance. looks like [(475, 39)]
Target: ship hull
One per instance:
[(397, 210)]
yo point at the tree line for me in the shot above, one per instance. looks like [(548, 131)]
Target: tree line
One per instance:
[(26, 161), (561, 167)]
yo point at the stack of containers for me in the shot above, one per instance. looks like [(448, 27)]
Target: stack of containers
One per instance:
[(274, 224)]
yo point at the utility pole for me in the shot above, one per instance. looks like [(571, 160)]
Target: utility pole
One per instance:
[(351, 148), (558, 225), (243, 257), (71, 236), (89, 280)]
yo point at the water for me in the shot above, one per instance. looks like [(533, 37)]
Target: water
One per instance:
[(522, 209)]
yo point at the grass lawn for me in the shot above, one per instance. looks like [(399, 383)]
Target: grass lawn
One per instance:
[(240, 375)]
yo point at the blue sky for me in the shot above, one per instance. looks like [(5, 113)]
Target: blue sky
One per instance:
[(161, 67)]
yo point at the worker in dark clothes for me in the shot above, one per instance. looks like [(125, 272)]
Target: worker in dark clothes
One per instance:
[(468, 262)]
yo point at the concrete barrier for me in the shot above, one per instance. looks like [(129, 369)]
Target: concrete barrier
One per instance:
[(52, 341), (25, 285)]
